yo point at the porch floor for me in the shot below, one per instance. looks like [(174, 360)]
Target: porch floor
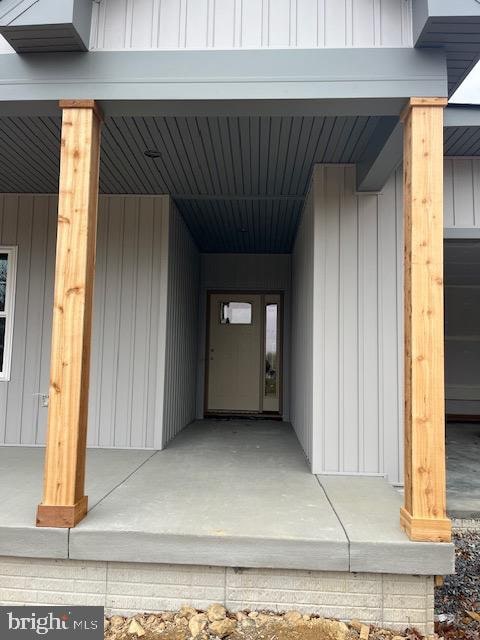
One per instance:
[(226, 493)]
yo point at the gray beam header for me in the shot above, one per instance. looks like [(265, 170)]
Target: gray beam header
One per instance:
[(224, 75)]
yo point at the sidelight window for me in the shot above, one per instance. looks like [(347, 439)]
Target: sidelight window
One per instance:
[(8, 259)]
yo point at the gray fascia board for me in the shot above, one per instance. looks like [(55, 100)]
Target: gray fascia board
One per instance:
[(224, 75), (382, 156), (82, 20), (461, 233), (462, 116), (419, 19), (218, 108)]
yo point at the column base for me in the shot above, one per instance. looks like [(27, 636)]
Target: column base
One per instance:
[(425, 529), (61, 516)]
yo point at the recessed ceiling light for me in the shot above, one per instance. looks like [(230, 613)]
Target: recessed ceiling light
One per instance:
[(243, 230), (152, 153)]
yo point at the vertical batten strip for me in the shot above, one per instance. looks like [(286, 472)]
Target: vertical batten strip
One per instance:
[(64, 503), (424, 513)]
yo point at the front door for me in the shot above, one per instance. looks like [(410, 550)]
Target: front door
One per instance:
[(242, 377)]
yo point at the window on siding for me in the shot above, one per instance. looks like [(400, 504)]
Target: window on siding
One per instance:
[(8, 266)]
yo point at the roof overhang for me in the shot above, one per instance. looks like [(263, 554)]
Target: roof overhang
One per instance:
[(453, 26), (38, 26)]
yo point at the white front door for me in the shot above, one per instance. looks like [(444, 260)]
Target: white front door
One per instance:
[(240, 373)]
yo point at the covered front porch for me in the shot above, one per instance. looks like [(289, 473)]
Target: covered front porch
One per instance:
[(235, 493), (299, 203), (281, 213)]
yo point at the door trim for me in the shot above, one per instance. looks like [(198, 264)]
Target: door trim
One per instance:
[(249, 292)]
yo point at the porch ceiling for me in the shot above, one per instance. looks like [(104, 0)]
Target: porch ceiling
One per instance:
[(239, 181), (462, 141)]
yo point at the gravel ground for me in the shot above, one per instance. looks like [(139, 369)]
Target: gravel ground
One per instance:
[(457, 603), (218, 624)]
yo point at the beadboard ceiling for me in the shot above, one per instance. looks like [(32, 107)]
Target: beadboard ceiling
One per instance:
[(239, 182)]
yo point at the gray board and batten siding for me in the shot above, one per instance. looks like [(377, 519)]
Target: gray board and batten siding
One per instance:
[(206, 24), (347, 328), (134, 281)]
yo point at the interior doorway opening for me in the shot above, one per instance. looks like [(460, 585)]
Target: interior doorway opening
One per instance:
[(244, 364)]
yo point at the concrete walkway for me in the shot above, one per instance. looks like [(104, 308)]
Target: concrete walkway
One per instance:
[(223, 493), (463, 470)]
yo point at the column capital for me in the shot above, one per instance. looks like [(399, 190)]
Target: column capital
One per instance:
[(422, 102), (83, 104)]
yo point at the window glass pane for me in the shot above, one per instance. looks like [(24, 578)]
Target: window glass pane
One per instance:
[(2, 341), (271, 356), (3, 280), (235, 313)]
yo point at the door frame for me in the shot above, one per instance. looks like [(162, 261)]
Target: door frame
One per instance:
[(249, 292)]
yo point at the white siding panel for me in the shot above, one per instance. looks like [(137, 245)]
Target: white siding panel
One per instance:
[(127, 312), (170, 34), (302, 388), (280, 21), (197, 25), (226, 24), (181, 328), (309, 15), (357, 324), (225, 29)]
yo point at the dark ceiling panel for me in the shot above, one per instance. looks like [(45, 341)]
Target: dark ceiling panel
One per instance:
[(239, 182), (462, 141)]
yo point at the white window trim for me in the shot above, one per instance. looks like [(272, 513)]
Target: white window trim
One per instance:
[(9, 311)]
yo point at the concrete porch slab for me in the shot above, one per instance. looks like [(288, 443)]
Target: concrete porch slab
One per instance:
[(236, 493), (224, 493), (369, 509), (21, 470)]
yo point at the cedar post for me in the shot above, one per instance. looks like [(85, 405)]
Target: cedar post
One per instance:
[(424, 513), (64, 503)]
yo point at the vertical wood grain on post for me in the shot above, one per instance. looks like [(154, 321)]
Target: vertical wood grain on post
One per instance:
[(424, 513), (64, 502)]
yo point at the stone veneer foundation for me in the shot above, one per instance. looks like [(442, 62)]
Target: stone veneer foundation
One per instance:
[(387, 600)]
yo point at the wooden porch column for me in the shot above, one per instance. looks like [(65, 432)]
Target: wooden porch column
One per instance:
[(64, 503), (424, 513)]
